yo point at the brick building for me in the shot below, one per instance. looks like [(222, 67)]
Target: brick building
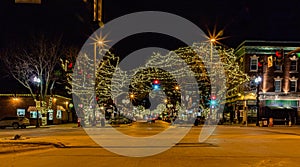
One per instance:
[(279, 90)]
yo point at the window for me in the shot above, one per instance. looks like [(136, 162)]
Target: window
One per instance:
[(21, 112), (294, 63), (254, 63), (277, 84), (277, 66), (293, 66), (33, 114), (293, 84), (58, 114)]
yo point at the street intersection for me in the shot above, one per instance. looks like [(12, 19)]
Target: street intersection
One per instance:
[(68, 145)]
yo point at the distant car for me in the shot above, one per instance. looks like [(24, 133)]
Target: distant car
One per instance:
[(120, 120), (14, 122)]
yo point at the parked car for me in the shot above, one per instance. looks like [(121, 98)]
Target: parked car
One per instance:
[(14, 122), (120, 120)]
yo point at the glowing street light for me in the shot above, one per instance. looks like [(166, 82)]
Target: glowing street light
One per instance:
[(37, 80), (212, 40), (131, 96), (257, 81), (100, 42)]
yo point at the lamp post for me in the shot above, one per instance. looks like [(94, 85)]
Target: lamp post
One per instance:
[(212, 92), (131, 97), (100, 43), (38, 104), (257, 81)]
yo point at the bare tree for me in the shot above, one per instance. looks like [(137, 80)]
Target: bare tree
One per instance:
[(37, 60)]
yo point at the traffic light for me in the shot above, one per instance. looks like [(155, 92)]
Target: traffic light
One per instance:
[(213, 97), (260, 65), (155, 84), (213, 101), (70, 65), (279, 56)]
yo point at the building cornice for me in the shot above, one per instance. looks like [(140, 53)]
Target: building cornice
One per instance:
[(265, 47)]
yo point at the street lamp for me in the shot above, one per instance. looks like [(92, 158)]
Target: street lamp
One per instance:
[(212, 42), (257, 81), (132, 97), (37, 81), (98, 41)]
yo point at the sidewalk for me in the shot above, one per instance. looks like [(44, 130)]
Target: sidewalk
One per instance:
[(66, 125)]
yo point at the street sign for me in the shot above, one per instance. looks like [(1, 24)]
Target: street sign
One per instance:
[(270, 61)]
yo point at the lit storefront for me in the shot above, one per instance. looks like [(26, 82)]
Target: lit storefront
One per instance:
[(56, 110)]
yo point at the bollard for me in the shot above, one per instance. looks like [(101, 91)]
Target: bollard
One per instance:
[(78, 122)]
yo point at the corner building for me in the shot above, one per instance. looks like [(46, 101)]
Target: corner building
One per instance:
[(277, 64)]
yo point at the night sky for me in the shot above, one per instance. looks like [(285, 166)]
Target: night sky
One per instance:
[(72, 19), (240, 19)]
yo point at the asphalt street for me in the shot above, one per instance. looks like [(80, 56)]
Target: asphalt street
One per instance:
[(68, 145)]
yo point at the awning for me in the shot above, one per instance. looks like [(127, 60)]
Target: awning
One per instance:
[(31, 108), (279, 112)]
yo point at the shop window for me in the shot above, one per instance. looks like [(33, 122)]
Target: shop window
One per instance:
[(33, 114), (50, 113), (58, 114), (21, 112)]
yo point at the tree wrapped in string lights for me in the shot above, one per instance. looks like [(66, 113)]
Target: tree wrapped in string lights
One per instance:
[(112, 82)]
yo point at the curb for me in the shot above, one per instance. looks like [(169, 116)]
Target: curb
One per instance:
[(34, 146), (57, 145)]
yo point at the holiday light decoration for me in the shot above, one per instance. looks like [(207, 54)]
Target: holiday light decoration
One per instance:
[(112, 83)]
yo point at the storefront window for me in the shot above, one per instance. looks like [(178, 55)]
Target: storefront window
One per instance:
[(58, 114), (33, 114), (21, 112), (50, 117)]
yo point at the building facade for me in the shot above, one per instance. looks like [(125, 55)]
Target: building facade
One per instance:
[(277, 95), (58, 109)]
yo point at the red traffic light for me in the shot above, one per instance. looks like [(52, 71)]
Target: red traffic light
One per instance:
[(156, 81), (259, 64), (279, 53), (213, 97), (70, 66)]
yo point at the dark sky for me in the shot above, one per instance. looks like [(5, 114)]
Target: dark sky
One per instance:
[(241, 19)]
